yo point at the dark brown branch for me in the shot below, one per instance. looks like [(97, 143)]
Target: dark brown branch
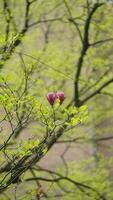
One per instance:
[(85, 47), (97, 91), (38, 185), (107, 93), (84, 89), (53, 20), (83, 138), (73, 20), (71, 140), (9, 49), (61, 177), (101, 42), (26, 21), (8, 19), (103, 138), (45, 21)]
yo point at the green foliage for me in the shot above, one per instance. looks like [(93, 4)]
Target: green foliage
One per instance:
[(36, 59), (96, 176), (27, 148), (78, 115)]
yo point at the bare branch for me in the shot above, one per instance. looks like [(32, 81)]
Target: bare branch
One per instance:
[(101, 42), (79, 185), (83, 52), (73, 20), (98, 90), (84, 89)]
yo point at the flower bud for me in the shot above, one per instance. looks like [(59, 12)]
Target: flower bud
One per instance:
[(60, 96), (51, 97)]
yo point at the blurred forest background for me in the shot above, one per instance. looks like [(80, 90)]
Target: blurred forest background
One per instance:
[(62, 151)]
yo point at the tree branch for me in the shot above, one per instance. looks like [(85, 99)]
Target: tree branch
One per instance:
[(97, 91), (85, 47)]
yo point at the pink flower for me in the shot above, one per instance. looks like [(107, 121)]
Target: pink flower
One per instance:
[(51, 97), (60, 96)]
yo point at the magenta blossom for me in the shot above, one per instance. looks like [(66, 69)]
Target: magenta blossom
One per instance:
[(51, 97), (60, 96)]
